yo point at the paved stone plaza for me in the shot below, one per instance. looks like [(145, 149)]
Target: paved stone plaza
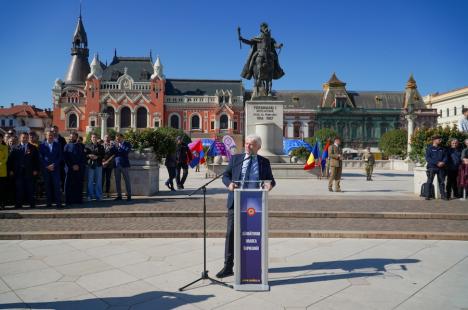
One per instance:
[(304, 274)]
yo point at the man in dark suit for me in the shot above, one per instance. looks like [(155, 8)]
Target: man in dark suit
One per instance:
[(61, 140), (120, 151), (51, 159), (74, 159), (24, 161), (243, 167)]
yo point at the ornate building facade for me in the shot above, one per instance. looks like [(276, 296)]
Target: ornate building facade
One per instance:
[(133, 93), (360, 118), (449, 105)]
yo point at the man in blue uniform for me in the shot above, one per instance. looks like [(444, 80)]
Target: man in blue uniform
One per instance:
[(51, 160), (24, 161), (61, 141), (248, 167), (74, 160), (122, 164), (454, 162), (436, 158)]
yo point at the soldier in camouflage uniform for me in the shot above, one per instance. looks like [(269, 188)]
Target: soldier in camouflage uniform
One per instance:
[(369, 160), (335, 155)]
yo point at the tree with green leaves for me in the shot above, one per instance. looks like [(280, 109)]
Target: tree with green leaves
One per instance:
[(161, 140), (301, 152), (111, 132), (394, 143), (422, 137), (322, 136)]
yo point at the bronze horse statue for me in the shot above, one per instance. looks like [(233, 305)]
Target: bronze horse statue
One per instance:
[(262, 63)]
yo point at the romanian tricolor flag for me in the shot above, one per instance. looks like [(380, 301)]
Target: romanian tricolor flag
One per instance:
[(325, 155), (314, 155)]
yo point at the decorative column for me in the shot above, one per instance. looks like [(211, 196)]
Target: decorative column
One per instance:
[(133, 120), (103, 117), (117, 121), (305, 129), (290, 131), (410, 118), (230, 125)]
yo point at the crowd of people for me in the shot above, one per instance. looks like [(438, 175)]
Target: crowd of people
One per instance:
[(450, 165), (29, 167)]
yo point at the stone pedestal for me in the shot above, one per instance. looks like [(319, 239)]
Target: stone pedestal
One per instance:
[(144, 174), (264, 117)]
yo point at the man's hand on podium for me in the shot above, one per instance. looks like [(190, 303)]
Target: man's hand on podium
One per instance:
[(267, 186), (232, 186)]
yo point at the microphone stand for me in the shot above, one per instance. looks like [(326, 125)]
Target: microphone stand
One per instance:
[(204, 274)]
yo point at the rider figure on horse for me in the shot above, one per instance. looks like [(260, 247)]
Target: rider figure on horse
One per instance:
[(262, 62)]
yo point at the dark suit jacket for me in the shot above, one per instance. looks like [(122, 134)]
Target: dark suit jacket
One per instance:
[(73, 155), (234, 171), (47, 157), (23, 163), (121, 154)]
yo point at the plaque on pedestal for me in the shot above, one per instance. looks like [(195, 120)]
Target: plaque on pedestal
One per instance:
[(264, 117)]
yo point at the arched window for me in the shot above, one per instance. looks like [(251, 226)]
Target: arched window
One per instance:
[(195, 122), (111, 117), (223, 122), (174, 121), (125, 117), (142, 118), (72, 121)]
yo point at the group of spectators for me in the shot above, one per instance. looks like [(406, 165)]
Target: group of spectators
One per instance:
[(449, 164), (29, 167)]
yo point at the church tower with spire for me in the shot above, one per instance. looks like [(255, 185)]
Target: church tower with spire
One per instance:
[(133, 93), (79, 65)]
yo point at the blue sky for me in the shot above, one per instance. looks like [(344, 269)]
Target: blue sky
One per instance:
[(371, 44)]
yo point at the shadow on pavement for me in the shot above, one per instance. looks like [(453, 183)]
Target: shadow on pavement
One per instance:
[(370, 191), (368, 267), (378, 264), (151, 300), (386, 174), (321, 278)]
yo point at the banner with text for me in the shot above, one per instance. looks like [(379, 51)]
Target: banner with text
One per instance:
[(251, 237)]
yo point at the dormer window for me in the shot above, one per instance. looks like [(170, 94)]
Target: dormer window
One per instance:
[(340, 102)]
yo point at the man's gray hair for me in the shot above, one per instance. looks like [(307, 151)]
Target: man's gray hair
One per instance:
[(255, 138)]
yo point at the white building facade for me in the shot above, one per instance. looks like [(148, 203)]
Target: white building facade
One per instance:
[(449, 105)]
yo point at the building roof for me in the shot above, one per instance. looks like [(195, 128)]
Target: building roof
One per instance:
[(361, 99), (79, 36), (334, 81), (300, 99), (139, 68), (25, 110), (377, 99), (180, 87)]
